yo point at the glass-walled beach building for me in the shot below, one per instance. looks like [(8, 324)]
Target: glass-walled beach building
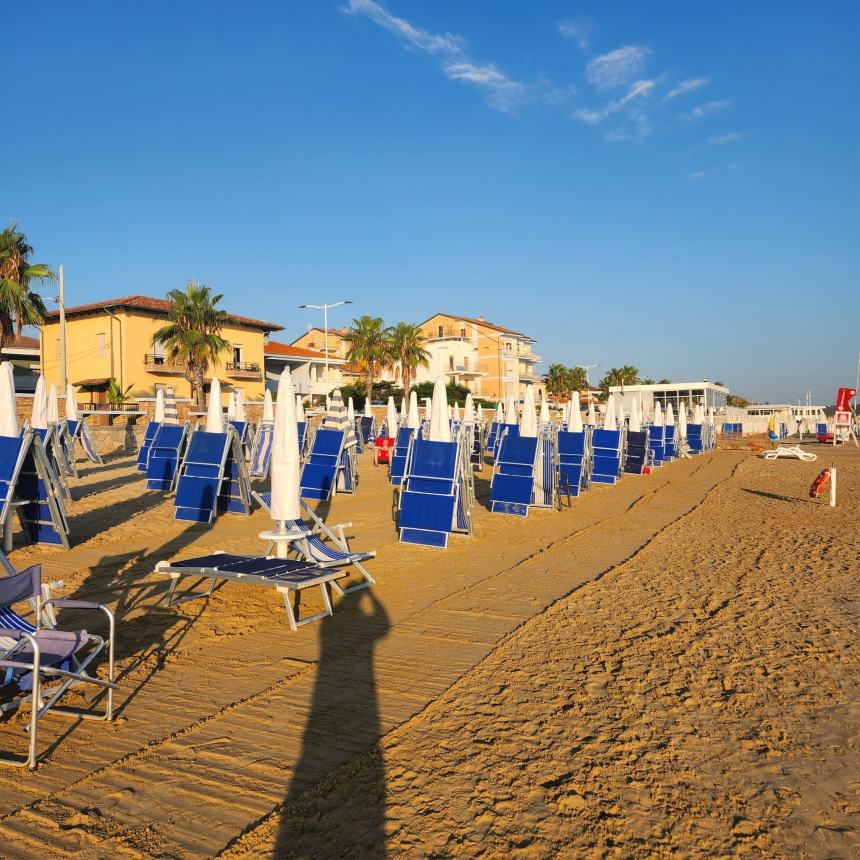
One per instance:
[(707, 394)]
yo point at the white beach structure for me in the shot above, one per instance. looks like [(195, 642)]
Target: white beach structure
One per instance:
[(215, 413)]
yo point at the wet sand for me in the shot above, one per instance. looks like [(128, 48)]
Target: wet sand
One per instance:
[(668, 666)]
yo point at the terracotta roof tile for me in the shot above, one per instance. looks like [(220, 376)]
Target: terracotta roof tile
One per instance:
[(273, 347)]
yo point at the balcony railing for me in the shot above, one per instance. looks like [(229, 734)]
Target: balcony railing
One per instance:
[(161, 364), (243, 368), (92, 406), (448, 333)]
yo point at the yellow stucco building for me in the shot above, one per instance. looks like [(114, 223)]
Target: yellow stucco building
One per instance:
[(113, 339)]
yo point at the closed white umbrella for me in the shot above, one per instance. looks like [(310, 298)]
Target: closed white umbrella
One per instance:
[(670, 415), (528, 422), (53, 405), (71, 404), (215, 414), (635, 424), (300, 410), (336, 418), (574, 420), (499, 417), (368, 412), (440, 429), (682, 420), (428, 407), (620, 417), (239, 407), (158, 417), (658, 415), (327, 403), (8, 402), (350, 412), (391, 418), (609, 415), (412, 419), (39, 416), (544, 412), (591, 418), (404, 409), (511, 412), (469, 410), (231, 406), (268, 409), (455, 412), (171, 416), (285, 456)]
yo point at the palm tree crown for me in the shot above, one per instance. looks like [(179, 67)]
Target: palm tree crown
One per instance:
[(369, 347), (192, 334), (406, 343), (19, 305)]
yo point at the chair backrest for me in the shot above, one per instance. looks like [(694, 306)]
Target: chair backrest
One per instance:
[(518, 450), (571, 444), (21, 586), (327, 443), (435, 460)]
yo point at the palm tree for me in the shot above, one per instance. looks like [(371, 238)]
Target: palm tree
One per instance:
[(369, 348), (619, 376), (193, 334), (558, 381), (406, 343), (578, 379), (19, 305)]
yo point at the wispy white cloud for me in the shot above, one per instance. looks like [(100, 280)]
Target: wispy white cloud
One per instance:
[(713, 171), (578, 30), (501, 91), (632, 108), (707, 109), (685, 86), (723, 139), (617, 68), (700, 174)]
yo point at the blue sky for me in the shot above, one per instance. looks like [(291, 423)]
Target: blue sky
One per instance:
[(670, 185)]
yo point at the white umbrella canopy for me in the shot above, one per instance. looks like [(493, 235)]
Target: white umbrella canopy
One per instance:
[(327, 403), (591, 418), (171, 416), (285, 455), (658, 415), (428, 407), (635, 424), (239, 407), (455, 412), (413, 420), (71, 404), (499, 417), (469, 410), (544, 412), (609, 415), (231, 405), (53, 405), (404, 408), (158, 417), (268, 409), (619, 418), (670, 415), (300, 410), (698, 414), (574, 418), (391, 418), (711, 416), (528, 422), (440, 429), (215, 413), (350, 412), (511, 412), (368, 411), (39, 416), (8, 402), (682, 420)]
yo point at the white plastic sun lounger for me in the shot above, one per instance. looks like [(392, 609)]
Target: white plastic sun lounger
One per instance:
[(795, 452)]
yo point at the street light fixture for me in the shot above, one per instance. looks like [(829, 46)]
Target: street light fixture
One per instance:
[(324, 309), (586, 368)]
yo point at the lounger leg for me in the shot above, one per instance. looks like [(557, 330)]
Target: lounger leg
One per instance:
[(291, 615), (35, 702)]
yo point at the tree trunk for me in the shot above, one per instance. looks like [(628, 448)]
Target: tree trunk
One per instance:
[(368, 384), (198, 381)]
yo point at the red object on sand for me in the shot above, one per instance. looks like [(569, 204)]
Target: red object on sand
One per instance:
[(819, 484), (842, 398), (382, 452)]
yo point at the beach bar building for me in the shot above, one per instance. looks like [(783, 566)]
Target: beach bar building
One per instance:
[(702, 393), (112, 339), (307, 369)]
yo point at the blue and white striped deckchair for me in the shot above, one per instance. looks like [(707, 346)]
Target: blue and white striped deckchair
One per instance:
[(165, 455), (78, 433), (513, 485), (545, 468), (432, 504), (287, 576), (28, 486), (145, 444), (241, 428), (694, 439), (312, 545), (397, 464), (211, 478), (321, 471), (573, 462), (40, 664), (638, 453), (655, 443), (607, 447), (669, 448), (261, 451)]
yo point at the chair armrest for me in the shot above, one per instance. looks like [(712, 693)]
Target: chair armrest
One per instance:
[(68, 603)]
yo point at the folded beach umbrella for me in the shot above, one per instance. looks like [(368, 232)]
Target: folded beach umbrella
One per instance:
[(682, 420), (635, 424), (428, 407), (658, 415), (239, 407), (711, 418), (528, 422), (413, 421), (469, 410), (171, 416), (39, 416), (215, 413), (268, 409), (511, 412), (544, 412), (71, 404), (455, 412), (670, 416), (404, 409), (53, 405), (591, 418), (440, 428), (698, 414), (391, 418), (336, 419), (158, 417), (8, 403), (327, 403), (574, 419), (231, 406), (609, 415), (368, 412), (350, 412), (284, 467), (499, 417), (619, 416), (300, 410)]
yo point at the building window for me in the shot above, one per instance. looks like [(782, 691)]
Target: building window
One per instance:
[(101, 342), (463, 332), (441, 330), (237, 353), (450, 362)]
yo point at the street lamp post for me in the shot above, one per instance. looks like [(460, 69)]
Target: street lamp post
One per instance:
[(324, 309), (586, 368)]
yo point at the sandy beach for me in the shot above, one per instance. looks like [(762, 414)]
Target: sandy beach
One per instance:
[(668, 666)]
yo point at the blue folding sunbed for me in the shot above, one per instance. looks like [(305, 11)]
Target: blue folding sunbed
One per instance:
[(165, 456), (607, 448), (573, 462), (512, 489)]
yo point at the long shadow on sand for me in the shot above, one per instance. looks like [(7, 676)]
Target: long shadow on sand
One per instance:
[(343, 723), (793, 499)]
